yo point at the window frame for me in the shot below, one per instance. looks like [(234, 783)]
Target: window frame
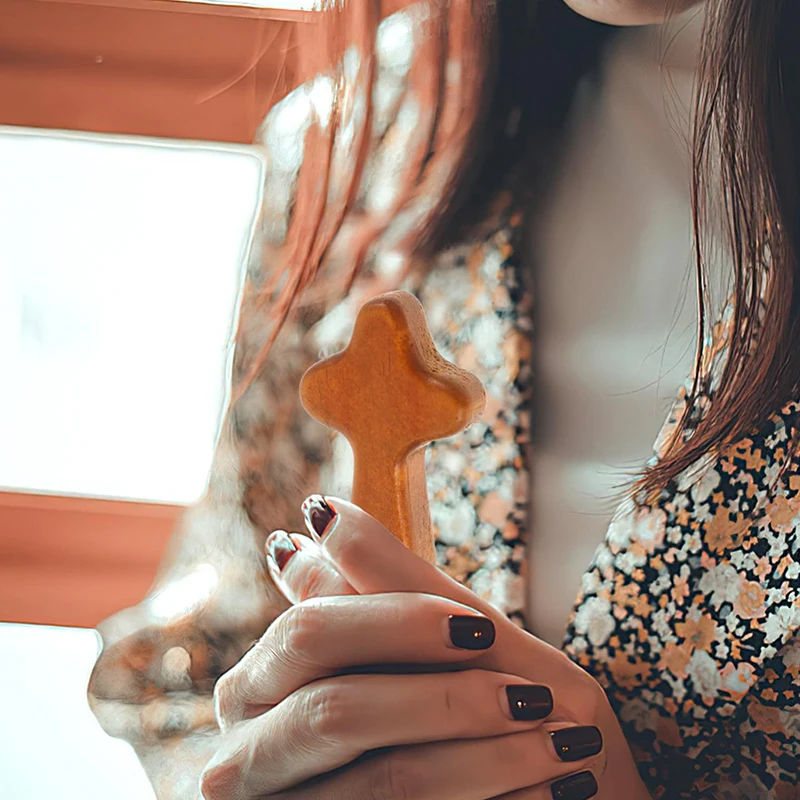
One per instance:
[(128, 67)]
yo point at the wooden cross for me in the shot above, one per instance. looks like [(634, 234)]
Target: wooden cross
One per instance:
[(390, 393)]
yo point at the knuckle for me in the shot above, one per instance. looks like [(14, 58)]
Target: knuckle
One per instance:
[(348, 551), (221, 781), (299, 631), (243, 682), (575, 691), (471, 682), (586, 695), (464, 714), (515, 753), (314, 582), (225, 697), (426, 604), (395, 778), (329, 712)]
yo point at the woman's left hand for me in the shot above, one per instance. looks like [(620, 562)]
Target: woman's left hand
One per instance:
[(310, 711)]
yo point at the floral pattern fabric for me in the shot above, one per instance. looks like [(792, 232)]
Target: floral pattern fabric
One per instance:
[(689, 618), (689, 615)]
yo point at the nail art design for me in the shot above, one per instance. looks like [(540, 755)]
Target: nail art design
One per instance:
[(281, 548), (575, 787), (574, 744), (529, 703), (319, 514), (471, 633)]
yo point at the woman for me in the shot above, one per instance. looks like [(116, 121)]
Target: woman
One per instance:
[(687, 617)]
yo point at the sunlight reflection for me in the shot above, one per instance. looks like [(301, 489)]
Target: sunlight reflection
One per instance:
[(185, 594)]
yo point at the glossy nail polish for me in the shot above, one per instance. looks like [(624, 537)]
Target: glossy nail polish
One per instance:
[(281, 548), (529, 703), (574, 744), (471, 633), (575, 787), (319, 514)]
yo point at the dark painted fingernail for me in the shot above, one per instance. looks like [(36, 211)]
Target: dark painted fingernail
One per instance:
[(319, 514), (281, 548), (575, 787), (471, 633), (529, 703), (574, 744)]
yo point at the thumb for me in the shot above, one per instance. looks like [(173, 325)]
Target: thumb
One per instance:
[(350, 552), (372, 560)]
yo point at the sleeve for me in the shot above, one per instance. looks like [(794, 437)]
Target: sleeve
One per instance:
[(689, 615)]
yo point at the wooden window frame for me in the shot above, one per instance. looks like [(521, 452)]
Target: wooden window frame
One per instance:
[(155, 68)]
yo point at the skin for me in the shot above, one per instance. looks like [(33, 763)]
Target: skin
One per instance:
[(298, 727), (630, 12)]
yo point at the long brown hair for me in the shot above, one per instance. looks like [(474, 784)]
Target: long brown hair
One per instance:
[(746, 173), (517, 67)]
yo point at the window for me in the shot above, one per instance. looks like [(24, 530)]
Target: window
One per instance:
[(121, 261), (289, 5), (120, 266), (48, 706)]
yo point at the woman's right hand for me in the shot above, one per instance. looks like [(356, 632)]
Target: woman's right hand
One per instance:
[(153, 682)]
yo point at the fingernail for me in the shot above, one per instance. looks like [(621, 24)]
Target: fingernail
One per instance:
[(318, 514), (574, 744), (575, 787), (281, 548), (529, 703), (471, 633)]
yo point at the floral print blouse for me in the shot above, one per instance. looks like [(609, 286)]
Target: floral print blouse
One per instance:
[(689, 617)]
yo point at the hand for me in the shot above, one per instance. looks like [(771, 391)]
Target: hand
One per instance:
[(153, 682), (301, 728)]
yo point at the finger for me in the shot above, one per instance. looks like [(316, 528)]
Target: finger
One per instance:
[(301, 570), (476, 769), (323, 636), (579, 786), (339, 719), (372, 560)]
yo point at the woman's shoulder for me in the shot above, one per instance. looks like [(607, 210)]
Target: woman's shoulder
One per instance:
[(690, 613)]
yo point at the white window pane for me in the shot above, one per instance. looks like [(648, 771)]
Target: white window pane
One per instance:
[(51, 743), (121, 262)]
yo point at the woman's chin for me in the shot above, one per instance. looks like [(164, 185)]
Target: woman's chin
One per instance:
[(630, 12)]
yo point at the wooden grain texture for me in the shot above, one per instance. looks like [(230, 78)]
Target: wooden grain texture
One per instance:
[(76, 560), (390, 393), (146, 67)]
